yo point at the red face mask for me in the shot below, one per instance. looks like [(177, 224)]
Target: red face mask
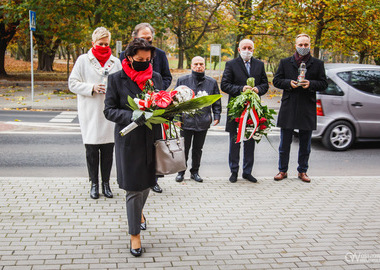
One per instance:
[(102, 54)]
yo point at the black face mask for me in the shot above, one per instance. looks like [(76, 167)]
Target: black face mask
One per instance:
[(140, 66)]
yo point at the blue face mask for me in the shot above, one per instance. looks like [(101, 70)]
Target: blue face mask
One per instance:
[(302, 50)]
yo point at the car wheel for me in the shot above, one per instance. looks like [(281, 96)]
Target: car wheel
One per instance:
[(339, 136)]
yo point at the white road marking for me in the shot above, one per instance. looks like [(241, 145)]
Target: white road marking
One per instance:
[(64, 117)]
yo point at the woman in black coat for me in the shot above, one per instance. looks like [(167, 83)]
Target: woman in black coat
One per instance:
[(135, 153)]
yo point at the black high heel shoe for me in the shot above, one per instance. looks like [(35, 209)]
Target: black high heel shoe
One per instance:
[(135, 252), (143, 225)]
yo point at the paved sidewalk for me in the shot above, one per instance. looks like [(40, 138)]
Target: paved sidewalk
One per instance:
[(331, 223)]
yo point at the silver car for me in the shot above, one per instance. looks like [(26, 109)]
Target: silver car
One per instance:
[(349, 109)]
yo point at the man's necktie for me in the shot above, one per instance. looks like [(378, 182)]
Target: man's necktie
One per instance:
[(248, 66)]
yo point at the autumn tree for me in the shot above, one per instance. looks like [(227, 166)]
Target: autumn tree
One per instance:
[(189, 20)]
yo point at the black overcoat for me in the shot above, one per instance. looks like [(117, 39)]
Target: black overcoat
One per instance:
[(202, 119), (298, 105), (134, 152), (235, 78)]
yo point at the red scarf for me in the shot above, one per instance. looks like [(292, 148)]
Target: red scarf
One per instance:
[(139, 77), (301, 58), (102, 54)]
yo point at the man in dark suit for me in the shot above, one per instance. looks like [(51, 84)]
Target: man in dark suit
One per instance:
[(234, 82), (298, 104), (160, 62)]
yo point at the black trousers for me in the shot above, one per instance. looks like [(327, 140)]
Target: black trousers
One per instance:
[(303, 151), (104, 153), (234, 154), (198, 139)]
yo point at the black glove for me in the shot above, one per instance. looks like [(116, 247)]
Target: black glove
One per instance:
[(141, 120)]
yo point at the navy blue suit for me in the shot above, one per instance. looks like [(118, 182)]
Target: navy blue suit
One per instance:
[(160, 65), (234, 79)]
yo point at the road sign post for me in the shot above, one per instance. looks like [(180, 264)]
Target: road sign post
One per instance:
[(118, 47), (216, 50), (32, 27)]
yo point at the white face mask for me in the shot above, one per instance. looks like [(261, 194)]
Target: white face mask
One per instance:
[(246, 55)]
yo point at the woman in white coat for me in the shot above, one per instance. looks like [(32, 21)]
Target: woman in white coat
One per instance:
[(88, 80)]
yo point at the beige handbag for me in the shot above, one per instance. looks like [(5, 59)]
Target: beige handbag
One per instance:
[(170, 154)]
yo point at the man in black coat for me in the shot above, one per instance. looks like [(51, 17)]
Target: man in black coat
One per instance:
[(194, 127), (159, 62), (234, 82), (298, 104)]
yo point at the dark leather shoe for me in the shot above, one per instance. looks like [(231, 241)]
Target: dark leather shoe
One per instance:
[(179, 177), (106, 190), (135, 252), (157, 188), (143, 225), (233, 177), (196, 177), (303, 176), (250, 178), (280, 176), (94, 192)]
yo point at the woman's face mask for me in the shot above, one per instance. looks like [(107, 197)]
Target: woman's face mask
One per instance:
[(140, 66)]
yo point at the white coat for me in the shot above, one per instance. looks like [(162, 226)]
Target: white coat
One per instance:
[(87, 72)]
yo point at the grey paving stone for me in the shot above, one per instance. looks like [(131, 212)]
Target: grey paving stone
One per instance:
[(192, 226)]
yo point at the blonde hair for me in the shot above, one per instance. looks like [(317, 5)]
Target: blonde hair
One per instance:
[(303, 35), (99, 33)]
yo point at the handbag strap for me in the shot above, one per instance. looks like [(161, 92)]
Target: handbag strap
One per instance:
[(170, 131)]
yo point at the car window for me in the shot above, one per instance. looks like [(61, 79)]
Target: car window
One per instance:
[(364, 80), (332, 89), (345, 76)]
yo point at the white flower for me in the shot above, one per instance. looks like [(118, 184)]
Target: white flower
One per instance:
[(183, 94), (201, 94)]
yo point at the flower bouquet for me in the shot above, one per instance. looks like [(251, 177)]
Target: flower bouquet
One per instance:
[(161, 106), (254, 120)]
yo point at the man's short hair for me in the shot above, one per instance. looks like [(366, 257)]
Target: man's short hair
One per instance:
[(303, 35), (195, 57), (99, 33), (246, 39), (139, 44), (142, 26)]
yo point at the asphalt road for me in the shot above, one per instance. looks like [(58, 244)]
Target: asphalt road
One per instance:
[(50, 144)]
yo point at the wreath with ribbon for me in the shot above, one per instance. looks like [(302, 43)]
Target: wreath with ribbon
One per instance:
[(254, 119)]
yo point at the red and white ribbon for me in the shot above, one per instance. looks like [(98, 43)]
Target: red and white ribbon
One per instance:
[(243, 123)]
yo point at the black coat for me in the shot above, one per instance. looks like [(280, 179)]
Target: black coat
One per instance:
[(202, 119), (235, 78), (134, 152), (160, 65), (298, 105)]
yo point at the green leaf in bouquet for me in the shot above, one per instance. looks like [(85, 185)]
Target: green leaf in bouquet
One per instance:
[(157, 120), (158, 112), (132, 104), (191, 105), (149, 125)]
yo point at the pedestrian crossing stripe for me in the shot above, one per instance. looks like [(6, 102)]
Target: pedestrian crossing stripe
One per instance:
[(64, 117)]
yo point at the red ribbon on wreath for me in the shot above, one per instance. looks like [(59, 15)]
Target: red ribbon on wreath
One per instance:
[(243, 123)]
